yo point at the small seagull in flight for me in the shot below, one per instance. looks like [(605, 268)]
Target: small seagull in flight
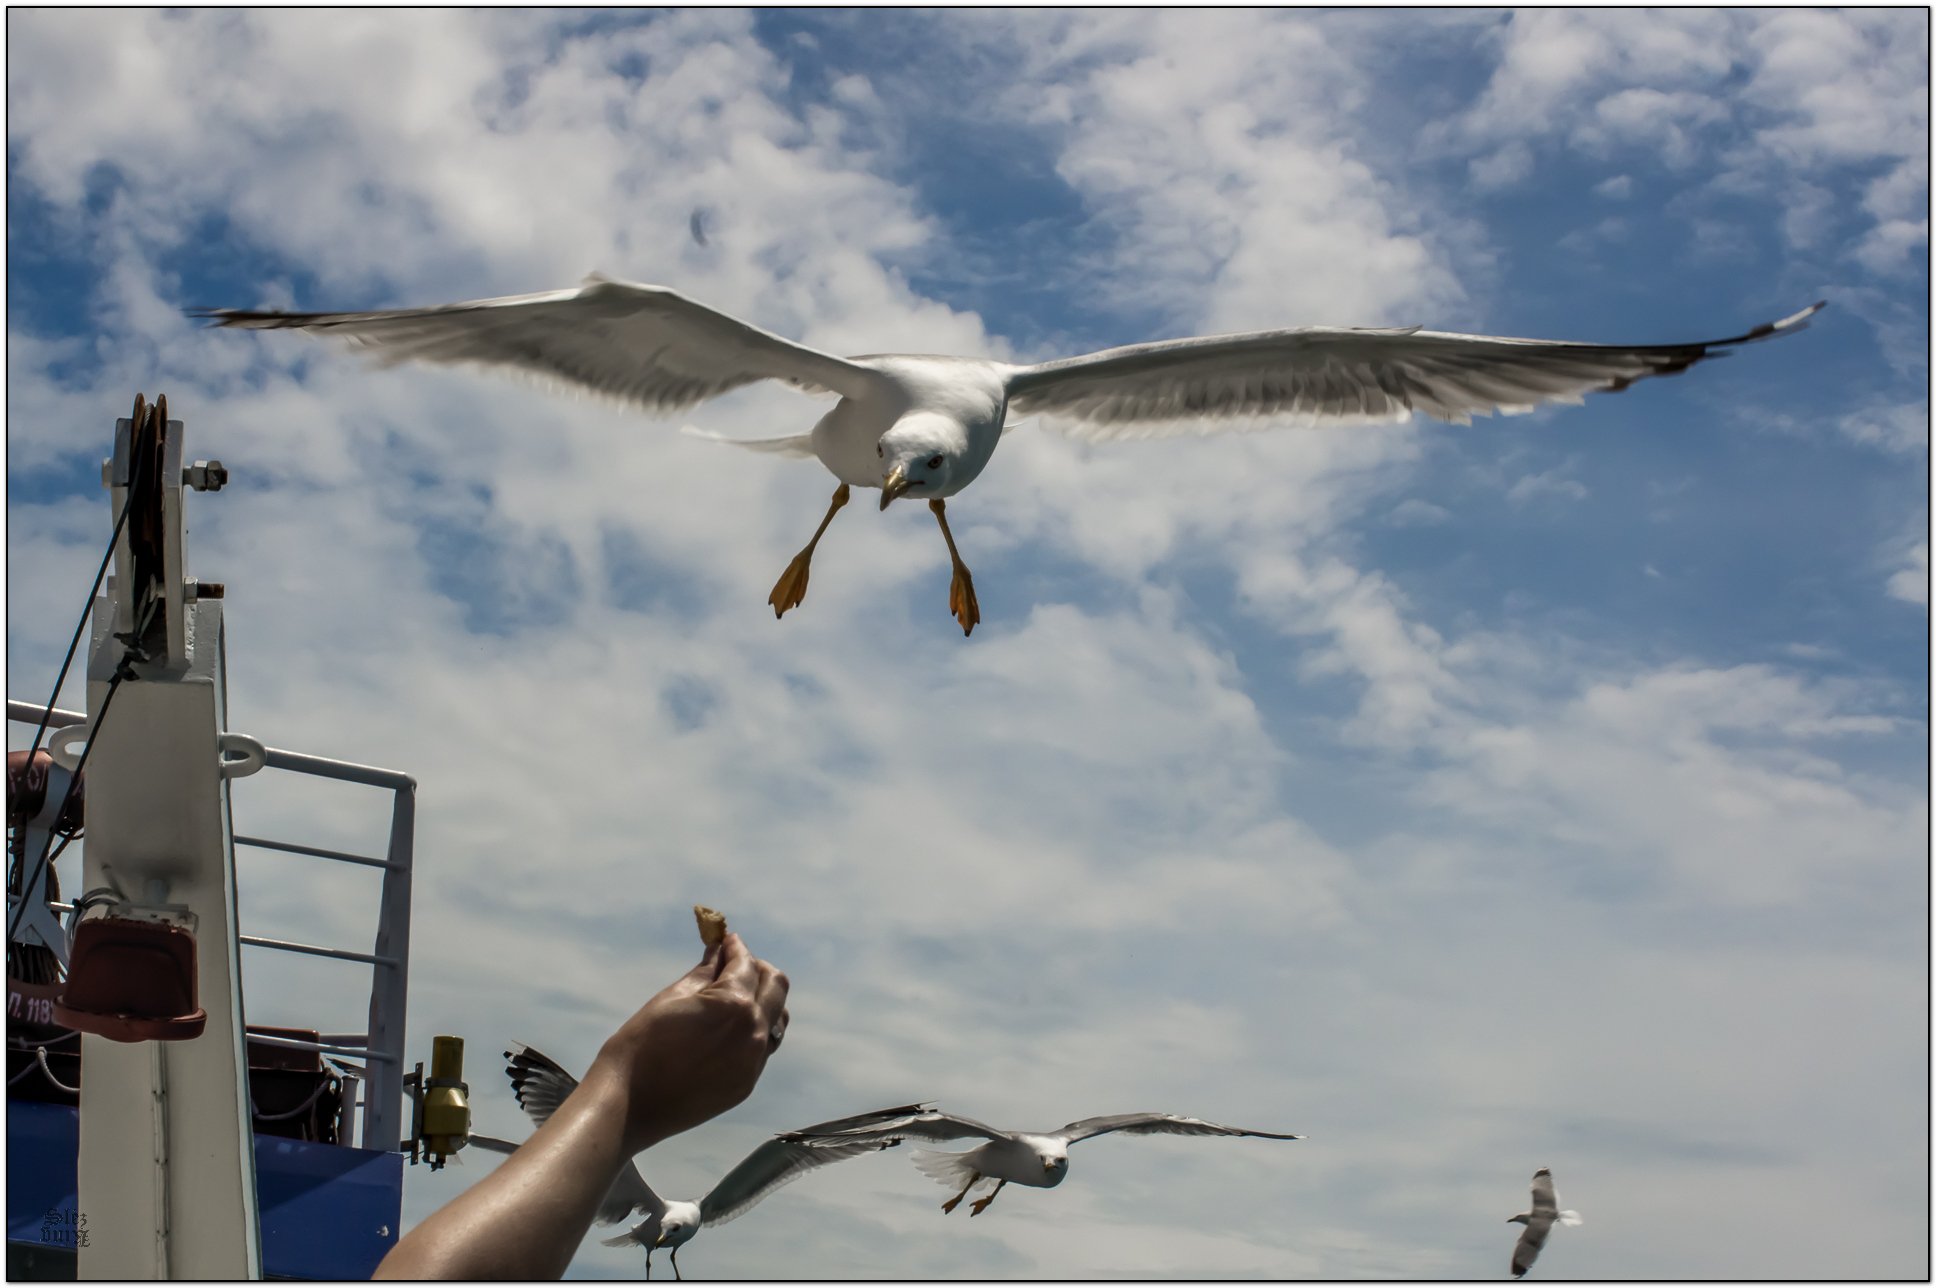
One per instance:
[(1538, 1222), (542, 1085), (926, 425), (1026, 1158)]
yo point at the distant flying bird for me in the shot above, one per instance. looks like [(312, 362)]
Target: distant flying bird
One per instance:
[(1538, 1222), (542, 1085), (1026, 1158), (697, 225), (925, 426)]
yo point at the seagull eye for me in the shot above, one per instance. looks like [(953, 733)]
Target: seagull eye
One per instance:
[(934, 462), (879, 450)]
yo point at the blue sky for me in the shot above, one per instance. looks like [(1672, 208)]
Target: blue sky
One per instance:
[(1550, 791)]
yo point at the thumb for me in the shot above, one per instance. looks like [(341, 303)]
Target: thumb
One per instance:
[(711, 962)]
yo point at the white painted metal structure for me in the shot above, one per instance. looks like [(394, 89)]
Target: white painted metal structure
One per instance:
[(382, 1047), (167, 1160), (166, 1166)]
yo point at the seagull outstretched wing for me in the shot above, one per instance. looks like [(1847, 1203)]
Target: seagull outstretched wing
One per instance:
[(541, 1085), (647, 346), (774, 1164), (923, 1124), (1338, 376), (1154, 1124)]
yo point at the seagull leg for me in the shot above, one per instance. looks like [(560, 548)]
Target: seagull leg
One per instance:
[(953, 1203), (961, 591), (648, 1261), (791, 588), (981, 1205), (675, 1265)]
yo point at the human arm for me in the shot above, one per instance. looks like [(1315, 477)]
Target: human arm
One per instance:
[(692, 1052)]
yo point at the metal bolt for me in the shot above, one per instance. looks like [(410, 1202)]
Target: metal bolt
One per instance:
[(206, 589), (206, 476)]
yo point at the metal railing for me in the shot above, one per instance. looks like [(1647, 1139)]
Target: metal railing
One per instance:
[(382, 1047)]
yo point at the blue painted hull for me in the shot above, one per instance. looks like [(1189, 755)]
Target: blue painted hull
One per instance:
[(326, 1211)]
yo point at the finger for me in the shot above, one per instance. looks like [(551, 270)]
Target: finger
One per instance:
[(708, 968), (776, 1030), (772, 990), (737, 966)]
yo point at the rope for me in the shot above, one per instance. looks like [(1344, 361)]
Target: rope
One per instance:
[(64, 841), (142, 416), (99, 894), (40, 1059), (41, 729), (121, 672), (40, 1054), (65, 1036), (321, 1087), (60, 1039)]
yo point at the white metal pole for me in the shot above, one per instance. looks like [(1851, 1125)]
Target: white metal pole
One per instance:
[(167, 1158)]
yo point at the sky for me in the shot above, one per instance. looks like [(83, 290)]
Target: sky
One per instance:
[(1550, 791)]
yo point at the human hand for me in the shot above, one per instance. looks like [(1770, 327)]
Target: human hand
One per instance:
[(698, 1047)]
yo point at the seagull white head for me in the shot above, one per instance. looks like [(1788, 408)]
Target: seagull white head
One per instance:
[(919, 457), (1055, 1166), (679, 1224)]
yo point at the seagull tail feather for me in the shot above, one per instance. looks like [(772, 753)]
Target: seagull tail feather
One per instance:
[(641, 1234), (1570, 1217), (800, 445)]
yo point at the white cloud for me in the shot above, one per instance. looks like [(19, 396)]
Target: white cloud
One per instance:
[(1827, 97), (1659, 120), (1502, 168), (1888, 246), (1552, 60), (1896, 428), (1218, 811), (1548, 483), (1910, 581), (1413, 512), (1229, 214)]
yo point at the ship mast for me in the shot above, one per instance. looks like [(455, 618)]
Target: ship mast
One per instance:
[(166, 1165)]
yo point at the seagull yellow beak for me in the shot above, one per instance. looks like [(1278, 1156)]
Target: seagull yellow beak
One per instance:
[(893, 485)]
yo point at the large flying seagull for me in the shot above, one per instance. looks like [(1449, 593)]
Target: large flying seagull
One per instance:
[(925, 426)]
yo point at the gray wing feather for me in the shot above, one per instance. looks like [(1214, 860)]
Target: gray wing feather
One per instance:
[(629, 1194), (541, 1085), (927, 1124), (646, 346), (1530, 1242), (1338, 376), (1154, 1124), (539, 1082), (1545, 1201), (873, 1120), (643, 1234), (774, 1164)]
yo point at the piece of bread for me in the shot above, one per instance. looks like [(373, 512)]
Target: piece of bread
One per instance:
[(712, 925)]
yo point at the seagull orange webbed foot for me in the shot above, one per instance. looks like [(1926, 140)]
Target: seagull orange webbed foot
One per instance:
[(791, 589), (955, 1202), (981, 1205), (961, 591)]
